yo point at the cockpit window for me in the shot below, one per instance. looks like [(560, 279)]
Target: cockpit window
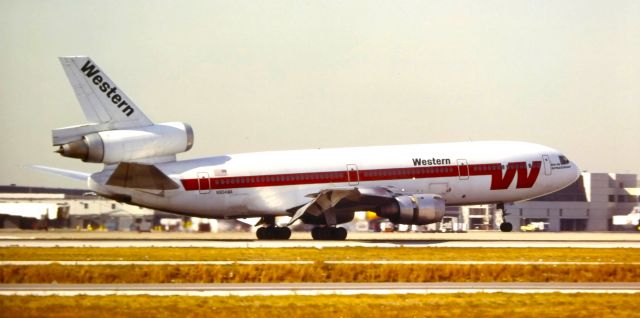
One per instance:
[(563, 160)]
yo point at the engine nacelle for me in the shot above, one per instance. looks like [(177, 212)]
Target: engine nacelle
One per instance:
[(417, 209), (113, 146)]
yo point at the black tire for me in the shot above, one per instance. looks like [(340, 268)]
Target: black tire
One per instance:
[(339, 234), (506, 227), (261, 233), (284, 233), (315, 233)]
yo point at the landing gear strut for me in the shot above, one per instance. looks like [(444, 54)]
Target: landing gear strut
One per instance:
[(272, 232), (504, 226), (327, 233)]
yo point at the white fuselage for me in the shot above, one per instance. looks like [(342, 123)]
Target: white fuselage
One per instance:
[(270, 183)]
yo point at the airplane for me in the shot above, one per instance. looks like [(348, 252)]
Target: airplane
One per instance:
[(408, 184)]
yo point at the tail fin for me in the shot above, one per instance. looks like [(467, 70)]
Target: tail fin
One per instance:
[(101, 100), (104, 104)]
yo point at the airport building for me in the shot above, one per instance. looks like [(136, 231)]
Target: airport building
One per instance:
[(44, 208), (36, 208), (589, 204)]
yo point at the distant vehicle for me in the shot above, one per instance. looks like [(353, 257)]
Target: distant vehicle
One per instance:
[(407, 184), (630, 220), (142, 224), (451, 224), (533, 227)]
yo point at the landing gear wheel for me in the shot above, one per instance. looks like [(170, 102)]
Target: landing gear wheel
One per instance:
[(316, 233), (273, 233), (506, 227), (339, 233), (284, 233), (263, 233), (329, 233)]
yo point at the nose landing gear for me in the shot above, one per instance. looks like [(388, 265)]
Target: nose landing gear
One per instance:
[(504, 226)]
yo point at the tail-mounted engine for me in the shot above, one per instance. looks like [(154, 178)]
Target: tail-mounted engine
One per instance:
[(417, 209), (113, 146)]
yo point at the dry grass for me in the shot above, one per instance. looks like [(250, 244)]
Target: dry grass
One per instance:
[(319, 272), (313, 254), (450, 305)]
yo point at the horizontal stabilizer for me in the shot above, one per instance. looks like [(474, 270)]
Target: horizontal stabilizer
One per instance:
[(83, 176), (141, 176)]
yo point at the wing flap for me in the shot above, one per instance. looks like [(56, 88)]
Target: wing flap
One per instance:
[(328, 199)]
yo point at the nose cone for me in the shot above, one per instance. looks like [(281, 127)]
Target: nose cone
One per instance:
[(571, 174), (575, 172)]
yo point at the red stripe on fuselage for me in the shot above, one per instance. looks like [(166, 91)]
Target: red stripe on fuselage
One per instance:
[(498, 181)]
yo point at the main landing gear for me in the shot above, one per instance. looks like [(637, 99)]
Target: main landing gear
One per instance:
[(272, 232), (327, 233), (504, 226)]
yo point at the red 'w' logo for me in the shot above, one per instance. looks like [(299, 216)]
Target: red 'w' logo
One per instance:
[(525, 180)]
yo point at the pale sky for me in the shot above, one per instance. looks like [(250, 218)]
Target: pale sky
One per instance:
[(277, 75)]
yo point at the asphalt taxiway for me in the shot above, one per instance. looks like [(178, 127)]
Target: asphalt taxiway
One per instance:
[(284, 289)]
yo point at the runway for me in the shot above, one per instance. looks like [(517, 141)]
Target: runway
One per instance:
[(315, 244), (302, 239), (282, 289)]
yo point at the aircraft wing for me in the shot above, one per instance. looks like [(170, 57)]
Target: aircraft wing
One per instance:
[(329, 199)]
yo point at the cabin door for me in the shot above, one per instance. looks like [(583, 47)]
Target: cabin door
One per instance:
[(352, 174), (204, 182), (463, 169), (547, 165)]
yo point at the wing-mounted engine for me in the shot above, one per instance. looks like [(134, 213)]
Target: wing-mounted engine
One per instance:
[(113, 146), (417, 209), (335, 206)]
